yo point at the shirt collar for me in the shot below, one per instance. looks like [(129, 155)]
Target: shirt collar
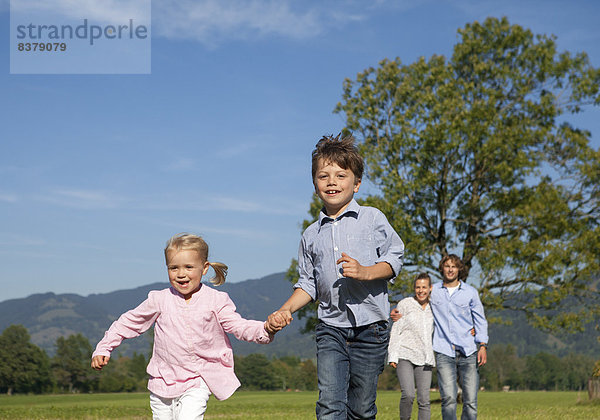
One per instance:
[(459, 284), (352, 210)]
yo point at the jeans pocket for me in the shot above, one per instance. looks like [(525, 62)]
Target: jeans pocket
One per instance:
[(380, 331)]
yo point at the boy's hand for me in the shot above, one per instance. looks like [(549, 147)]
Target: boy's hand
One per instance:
[(394, 365), (351, 268), (395, 314), (277, 320), (98, 362)]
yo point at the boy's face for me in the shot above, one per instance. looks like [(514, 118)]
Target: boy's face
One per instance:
[(335, 186), (186, 269)]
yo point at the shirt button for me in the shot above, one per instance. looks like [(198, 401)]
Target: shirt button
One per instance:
[(335, 248)]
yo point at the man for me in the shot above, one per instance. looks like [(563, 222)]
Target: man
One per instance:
[(457, 309)]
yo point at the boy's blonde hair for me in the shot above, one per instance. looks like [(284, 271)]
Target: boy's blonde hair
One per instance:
[(188, 241), (339, 150)]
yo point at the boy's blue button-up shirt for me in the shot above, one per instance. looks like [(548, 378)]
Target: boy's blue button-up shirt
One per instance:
[(453, 318), (364, 234)]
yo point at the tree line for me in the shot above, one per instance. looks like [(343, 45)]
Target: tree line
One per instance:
[(506, 370), (26, 368)]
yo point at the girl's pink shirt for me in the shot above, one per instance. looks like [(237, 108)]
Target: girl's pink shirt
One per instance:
[(190, 340)]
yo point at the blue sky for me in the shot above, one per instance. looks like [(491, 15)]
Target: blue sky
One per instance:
[(98, 171)]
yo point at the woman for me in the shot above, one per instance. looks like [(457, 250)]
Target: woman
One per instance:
[(410, 350)]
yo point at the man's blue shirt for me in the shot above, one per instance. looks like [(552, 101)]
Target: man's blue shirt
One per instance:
[(363, 233), (453, 318)]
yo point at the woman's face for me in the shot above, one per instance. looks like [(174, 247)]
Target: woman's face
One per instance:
[(422, 290)]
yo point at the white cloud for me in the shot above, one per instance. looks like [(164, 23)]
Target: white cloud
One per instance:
[(8, 198), (106, 11), (14, 240), (236, 150), (205, 201), (181, 165), (210, 201), (236, 232), (82, 199), (214, 21)]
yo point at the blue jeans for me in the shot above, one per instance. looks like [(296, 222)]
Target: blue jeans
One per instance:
[(349, 361), (468, 376)]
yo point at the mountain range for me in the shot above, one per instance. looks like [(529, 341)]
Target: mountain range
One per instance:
[(48, 316)]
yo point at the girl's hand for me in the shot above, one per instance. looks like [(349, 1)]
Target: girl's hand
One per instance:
[(392, 364), (271, 329), (98, 362)]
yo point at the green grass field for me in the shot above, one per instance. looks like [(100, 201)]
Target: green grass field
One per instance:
[(290, 405)]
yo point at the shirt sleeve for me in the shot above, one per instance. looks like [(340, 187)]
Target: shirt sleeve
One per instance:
[(306, 280), (242, 329), (397, 328), (479, 322), (390, 248), (129, 325)]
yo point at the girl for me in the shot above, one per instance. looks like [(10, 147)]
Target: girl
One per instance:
[(410, 350), (192, 356)]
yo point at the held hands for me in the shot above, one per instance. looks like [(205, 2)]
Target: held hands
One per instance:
[(277, 321), (98, 362)]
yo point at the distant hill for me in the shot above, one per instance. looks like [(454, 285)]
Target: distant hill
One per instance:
[(48, 316)]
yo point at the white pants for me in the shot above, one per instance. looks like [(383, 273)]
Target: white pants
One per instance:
[(191, 405)]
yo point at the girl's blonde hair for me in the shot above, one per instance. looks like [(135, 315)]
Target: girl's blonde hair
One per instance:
[(188, 241)]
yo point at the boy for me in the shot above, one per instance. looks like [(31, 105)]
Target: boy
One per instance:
[(344, 261)]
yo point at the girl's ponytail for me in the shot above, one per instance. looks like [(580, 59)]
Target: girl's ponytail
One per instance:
[(220, 273)]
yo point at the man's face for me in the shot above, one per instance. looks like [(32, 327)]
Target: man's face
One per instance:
[(335, 186), (450, 271)]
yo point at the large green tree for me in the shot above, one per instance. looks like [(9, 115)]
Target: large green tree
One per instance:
[(475, 154), (256, 372), (71, 364), (24, 367)]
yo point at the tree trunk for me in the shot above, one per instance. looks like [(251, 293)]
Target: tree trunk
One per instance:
[(594, 388)]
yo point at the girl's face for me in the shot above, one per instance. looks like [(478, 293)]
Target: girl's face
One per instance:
[(422, 290), (186, 269)]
